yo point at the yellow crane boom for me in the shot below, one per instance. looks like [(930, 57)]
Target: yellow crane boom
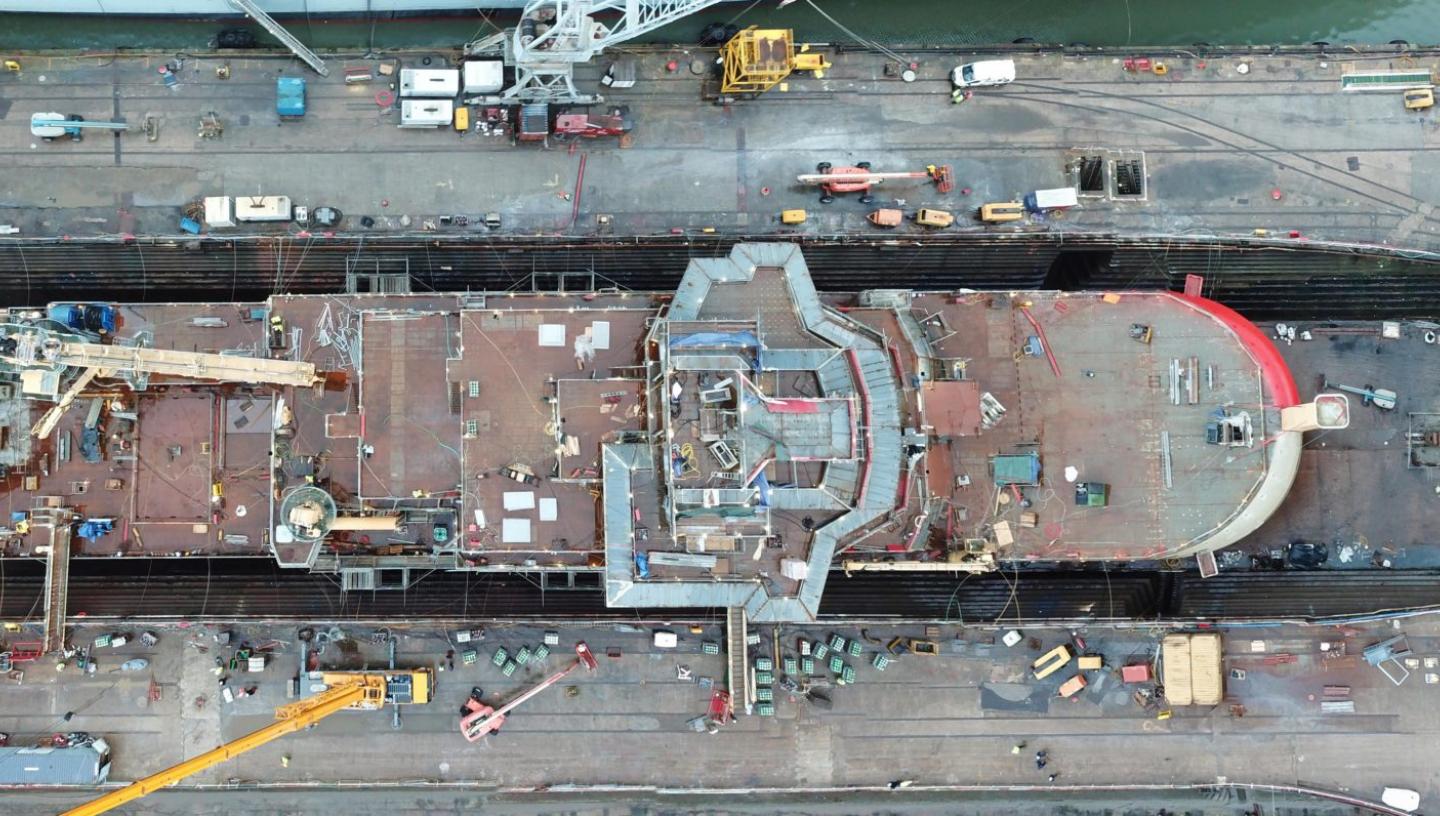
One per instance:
[(352, 691)]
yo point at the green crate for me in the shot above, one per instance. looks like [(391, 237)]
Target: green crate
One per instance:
[(469, 656), (509, 668), (710, 647), (500, 656), (807, 665), (523, 656), (764, 678), (837, 643), (765, 709), (764, 664), (855, 648), (541, 652), (848, 674), (821, 650), (791, 665), (836, 664), (764, 694), (880, 662)]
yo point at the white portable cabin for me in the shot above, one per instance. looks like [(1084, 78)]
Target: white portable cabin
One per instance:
[(483, 76), (428, 83), (263, 208), (426, 113)]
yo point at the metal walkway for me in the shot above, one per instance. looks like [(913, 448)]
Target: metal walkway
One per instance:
[(737, 657), (57, 573), (278, 32)]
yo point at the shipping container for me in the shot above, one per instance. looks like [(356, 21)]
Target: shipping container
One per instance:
[(1175, 669)]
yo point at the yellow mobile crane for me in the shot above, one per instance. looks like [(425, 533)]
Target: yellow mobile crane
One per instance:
[(365, 691)]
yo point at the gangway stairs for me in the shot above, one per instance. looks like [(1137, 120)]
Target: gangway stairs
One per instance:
[(278, 31), (738, 658), (57, 522)]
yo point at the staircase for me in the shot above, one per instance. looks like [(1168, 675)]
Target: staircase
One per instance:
[(737, 656), (278, 32), (57, 573)]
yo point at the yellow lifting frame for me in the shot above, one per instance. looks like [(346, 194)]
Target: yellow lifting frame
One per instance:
[(757, 59)]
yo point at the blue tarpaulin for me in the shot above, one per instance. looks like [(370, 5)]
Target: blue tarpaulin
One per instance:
[(642, 564), (741, 339), (763, 484)]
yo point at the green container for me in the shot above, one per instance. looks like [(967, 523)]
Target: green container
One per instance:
[(764, 664), (541, 652), (836, 664), (500, 656), (469, 656), (764, 678), (848, 674), (765, 709), (764, 694), (509, 668), (807, 665), (880, 662), (791, 666), (855, 648), (821, 650), (523, 656), (837, 643), (710, 647)]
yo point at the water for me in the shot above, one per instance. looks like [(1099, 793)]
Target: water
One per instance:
[(928, 22)]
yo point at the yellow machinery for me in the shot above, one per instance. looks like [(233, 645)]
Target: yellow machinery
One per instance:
[(365, 691), (757, 59)]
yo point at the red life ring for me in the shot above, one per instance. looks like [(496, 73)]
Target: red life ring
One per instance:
[(385, 98)]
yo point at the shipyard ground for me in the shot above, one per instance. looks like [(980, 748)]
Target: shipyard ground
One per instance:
[(1279, 147), (947, 720)]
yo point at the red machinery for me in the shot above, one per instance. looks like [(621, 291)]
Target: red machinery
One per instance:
[(480, 719), (590, 126), (859, 179), (533, 123)]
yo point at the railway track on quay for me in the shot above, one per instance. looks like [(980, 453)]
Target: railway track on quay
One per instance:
[(239, 589)]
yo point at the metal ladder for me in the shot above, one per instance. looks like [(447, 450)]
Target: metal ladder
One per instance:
[(738, 658), (278, 32)]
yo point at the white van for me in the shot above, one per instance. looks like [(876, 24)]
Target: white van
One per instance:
[(985, 72)]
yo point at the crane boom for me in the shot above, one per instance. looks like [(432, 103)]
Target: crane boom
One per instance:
[(554, 35), (828, 178), (289, 718), (200, 365)]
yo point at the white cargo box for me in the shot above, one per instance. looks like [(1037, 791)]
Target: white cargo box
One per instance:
[(262, 208), (1052, 199), (666, 640), (429, 83), (426, 113), (484, 76), (219, 211)]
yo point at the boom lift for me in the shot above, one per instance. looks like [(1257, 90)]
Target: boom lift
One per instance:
[(479, 719), (363, 691), (860, 179)]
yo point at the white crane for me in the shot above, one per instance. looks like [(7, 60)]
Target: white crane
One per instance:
[(554, 35)]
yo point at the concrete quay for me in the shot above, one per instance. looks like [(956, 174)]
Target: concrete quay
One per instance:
[(1229, 144), (949, 720)]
